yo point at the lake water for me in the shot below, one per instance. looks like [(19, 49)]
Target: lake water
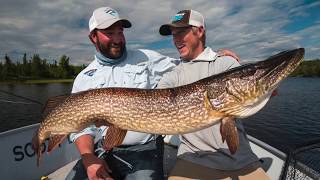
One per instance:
[(18, 112), (288, 120)]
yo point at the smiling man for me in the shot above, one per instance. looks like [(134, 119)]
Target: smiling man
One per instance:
[(204, 154), (140, 154)]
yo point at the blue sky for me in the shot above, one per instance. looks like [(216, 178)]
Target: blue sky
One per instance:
[(253, 29)]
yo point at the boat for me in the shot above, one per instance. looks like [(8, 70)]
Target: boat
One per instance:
[(18, 160)]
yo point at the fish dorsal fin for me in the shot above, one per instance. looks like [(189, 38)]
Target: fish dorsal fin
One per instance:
[(114, 137), (229, 133), (53, 102), (55, 140)]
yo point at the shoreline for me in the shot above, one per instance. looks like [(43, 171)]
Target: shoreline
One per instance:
[(37, 81)]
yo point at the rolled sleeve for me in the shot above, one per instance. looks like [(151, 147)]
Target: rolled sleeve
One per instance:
[(91, 130)]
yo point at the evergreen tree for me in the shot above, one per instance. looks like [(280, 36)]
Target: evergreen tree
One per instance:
[(8, 68), (1, 69), (54, 70), (26, 71), (44, 69), (35, 66), (64, 67)]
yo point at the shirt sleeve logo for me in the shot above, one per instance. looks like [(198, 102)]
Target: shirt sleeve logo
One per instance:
[(90, 72)]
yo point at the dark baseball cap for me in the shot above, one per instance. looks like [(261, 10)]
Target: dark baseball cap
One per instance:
[(183, 18)]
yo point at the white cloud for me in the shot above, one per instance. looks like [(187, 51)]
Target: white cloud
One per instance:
[(252, 29)]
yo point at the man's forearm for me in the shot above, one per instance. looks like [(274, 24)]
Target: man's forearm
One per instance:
[(85, 144)]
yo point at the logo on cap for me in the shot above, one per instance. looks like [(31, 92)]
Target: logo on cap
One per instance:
[(178, 17), (111, 12)]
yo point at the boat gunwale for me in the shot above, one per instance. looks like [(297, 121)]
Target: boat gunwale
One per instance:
[(14, 131), (267, 147)]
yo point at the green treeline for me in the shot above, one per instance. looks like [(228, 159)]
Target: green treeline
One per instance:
[(310, 68), (37, 68)]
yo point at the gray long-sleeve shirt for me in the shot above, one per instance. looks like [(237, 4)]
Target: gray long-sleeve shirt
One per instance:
[(205, 147)]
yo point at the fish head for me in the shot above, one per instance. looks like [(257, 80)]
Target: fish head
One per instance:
[(243, 91), (270, 72)]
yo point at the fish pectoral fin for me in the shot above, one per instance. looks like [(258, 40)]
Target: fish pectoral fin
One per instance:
[(114, 137), (229, 133), (213, 114), (55, 140), (53, 102)]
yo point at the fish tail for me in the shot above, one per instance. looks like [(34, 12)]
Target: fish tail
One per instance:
[(37, 146)]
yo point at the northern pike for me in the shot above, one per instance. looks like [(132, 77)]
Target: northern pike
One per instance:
[(236, 93)]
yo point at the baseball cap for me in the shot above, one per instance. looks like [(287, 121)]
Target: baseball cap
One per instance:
[(183, 18), (104, 17)]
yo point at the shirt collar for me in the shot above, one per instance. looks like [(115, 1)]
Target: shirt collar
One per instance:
[(102, 60), (207, 55)]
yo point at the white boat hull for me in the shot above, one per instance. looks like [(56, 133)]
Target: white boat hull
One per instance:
[(18, 160)]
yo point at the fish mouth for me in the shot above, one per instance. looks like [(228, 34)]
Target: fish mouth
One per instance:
[(273, 70)]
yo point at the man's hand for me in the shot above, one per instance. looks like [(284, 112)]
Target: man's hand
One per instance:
[(226, 52), (97, 169)]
